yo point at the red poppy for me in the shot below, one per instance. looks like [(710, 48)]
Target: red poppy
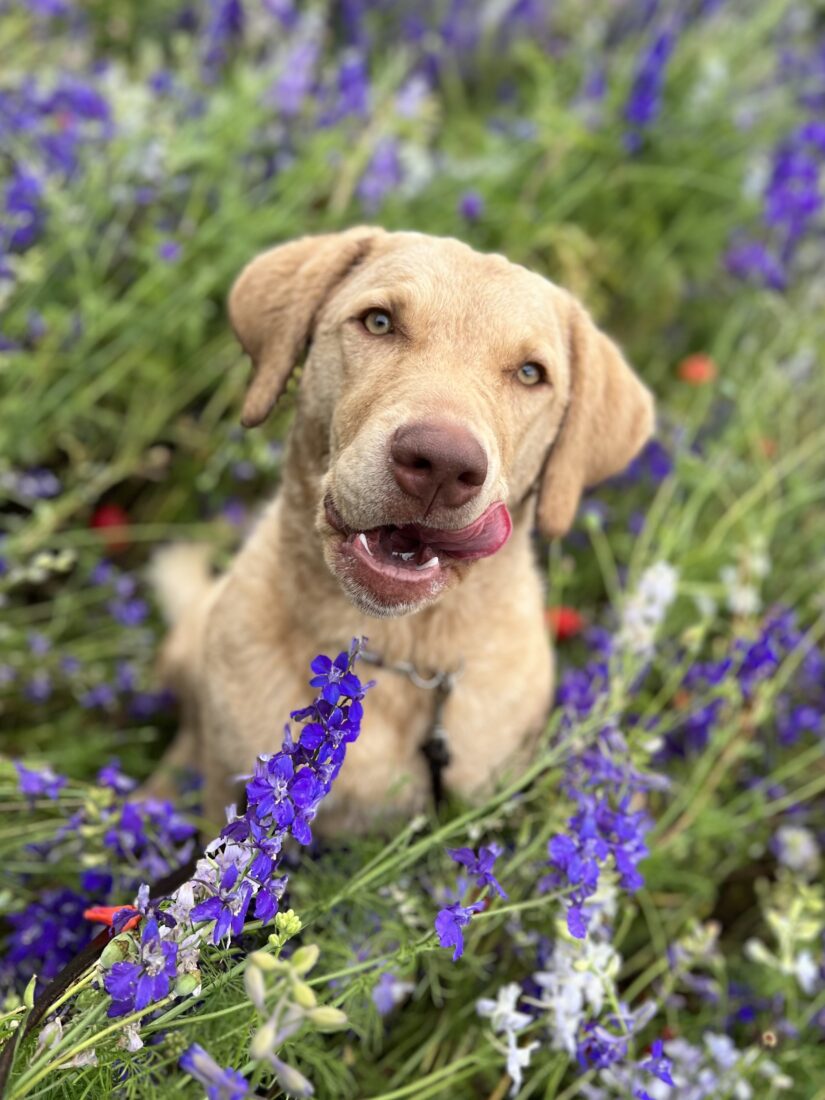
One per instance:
[(105, 914), (697, 370), (564, 622), (112, 521)]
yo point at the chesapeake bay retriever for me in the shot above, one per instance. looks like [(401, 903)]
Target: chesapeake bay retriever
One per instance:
[(449, 403)]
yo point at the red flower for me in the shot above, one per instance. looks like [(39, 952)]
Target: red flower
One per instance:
[(105, 914), (697, 370), (564, 622), (112, 521)]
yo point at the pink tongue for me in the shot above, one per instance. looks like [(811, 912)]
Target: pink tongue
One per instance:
[(482, 538)]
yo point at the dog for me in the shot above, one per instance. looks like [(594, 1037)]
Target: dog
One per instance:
[(450, 402)]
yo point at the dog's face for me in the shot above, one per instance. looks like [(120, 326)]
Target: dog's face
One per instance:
[(441, 388)]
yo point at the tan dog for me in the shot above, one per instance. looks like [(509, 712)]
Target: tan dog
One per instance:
[(446, 398)]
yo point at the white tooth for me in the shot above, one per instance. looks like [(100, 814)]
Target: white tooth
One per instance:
[(362, 538), (406, 557), (430, 563)]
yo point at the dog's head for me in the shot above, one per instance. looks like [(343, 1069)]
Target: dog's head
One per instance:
[(441, 388)]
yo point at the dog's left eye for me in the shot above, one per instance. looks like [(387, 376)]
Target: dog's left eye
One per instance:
[(530, 374), (378, 322)]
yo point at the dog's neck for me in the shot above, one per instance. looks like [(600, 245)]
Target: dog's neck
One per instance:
[(319, 610)]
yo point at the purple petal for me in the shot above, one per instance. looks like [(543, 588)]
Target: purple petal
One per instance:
[(576, 923), (206, 910)]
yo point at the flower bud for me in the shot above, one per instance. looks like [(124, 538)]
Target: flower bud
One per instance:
[(115, 951), (288, 924), (188, 984), (262, 1041), (756, 951), (327, 1018), (253, 980), (28, 996), (305, 958), (52, 1033), (303, 994), (291, 1080), (267, 962)]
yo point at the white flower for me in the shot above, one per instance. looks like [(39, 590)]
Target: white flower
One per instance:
[(85, 1058), (581, 972), (502, 1011), (183, 902), (130, 1039), (518, 1059), (797, 848), (807, 972), (50, 1034), (645, 608), (742, 597)]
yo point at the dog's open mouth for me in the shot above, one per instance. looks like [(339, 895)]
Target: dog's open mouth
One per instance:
[(404, 562)]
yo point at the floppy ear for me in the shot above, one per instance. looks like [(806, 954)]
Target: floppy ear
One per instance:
[(608, 419), (274, 303)]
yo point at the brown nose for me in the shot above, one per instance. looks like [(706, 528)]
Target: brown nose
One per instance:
[(444, 461)]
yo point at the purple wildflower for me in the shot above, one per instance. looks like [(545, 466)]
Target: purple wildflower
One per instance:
[(334, 678), (471, 206), (111, 776), (227, 908), (755, 262), (169, 251), (657, 1064), (128, 611), (23, 202), (597, 832), (44, 937), (133, 986), (383, 174), (294, 85), (480, 866), (268, 790), (39, 688), (220, 1083), (449, 923), (39, 784), (100, 696), (645, 97)]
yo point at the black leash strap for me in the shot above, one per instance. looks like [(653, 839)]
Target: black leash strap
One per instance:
[(435, 746)]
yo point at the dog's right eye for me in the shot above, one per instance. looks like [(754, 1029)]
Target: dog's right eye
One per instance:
[(377, 321)]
